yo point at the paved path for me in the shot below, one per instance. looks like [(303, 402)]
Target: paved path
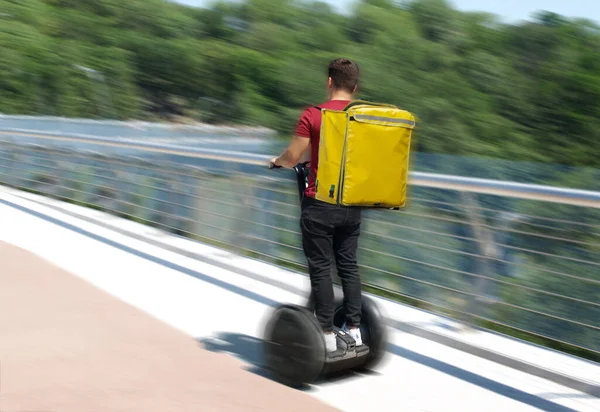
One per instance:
[(67, 346), (225, 310)]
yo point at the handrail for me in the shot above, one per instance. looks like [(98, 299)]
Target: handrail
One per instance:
[(545, 193)]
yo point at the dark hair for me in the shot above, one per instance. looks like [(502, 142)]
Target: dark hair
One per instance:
[(344, 74)]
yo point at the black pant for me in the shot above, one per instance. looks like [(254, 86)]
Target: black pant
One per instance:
[(331, 232)]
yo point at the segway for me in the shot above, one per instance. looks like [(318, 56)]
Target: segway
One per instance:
[(294, 348)]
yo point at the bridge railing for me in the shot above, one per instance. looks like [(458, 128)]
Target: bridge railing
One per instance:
[(507, 256)]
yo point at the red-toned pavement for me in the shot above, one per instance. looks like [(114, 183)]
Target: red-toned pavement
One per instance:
[(66, 346)]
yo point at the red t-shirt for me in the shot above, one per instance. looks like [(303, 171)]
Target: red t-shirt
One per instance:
[(309, 126)]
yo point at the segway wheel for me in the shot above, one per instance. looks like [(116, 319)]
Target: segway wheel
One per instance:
[(372, 328), (294, 346)]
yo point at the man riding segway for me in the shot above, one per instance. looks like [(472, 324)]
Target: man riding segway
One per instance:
[(358, 159), (329, 232)]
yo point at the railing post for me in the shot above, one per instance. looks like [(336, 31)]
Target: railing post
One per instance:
[(488, 251), (236, 224)]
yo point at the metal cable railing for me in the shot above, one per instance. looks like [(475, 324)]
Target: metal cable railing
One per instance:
[(182, 173), (36, 162), (177, 170), (538, 278), (429, 180), (281, 203)]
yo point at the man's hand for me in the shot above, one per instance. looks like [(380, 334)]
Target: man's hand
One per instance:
[(274, 162)]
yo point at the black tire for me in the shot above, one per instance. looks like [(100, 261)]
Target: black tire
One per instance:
[(372, 328), (294, 346)]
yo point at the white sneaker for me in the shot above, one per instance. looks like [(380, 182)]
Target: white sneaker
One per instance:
[(354, 333), (330, 342)]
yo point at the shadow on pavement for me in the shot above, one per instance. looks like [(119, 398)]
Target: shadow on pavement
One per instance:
[(249, 350)]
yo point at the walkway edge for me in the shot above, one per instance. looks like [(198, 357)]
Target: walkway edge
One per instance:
[(572, 382)]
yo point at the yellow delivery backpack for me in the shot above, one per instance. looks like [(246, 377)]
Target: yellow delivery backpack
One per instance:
[(363, 155)]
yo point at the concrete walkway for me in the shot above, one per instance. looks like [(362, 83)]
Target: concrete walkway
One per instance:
[(224, 309)]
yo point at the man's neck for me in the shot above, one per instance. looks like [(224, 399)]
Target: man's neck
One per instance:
[(341, 95)]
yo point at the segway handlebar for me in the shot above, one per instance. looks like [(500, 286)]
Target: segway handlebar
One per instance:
[(301, 170)]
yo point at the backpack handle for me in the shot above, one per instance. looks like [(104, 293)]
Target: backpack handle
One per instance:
[(364, 102)]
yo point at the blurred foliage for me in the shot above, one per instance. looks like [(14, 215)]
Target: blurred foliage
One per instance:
[(521, 92)]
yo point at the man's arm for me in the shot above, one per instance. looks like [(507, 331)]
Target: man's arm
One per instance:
[(296, 151), (306, 156)]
